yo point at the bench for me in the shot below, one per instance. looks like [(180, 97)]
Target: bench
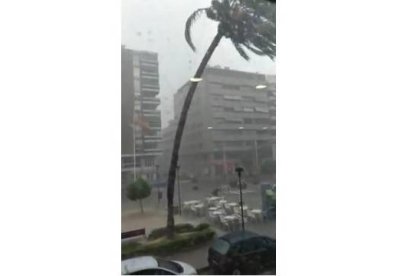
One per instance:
[(129, 235)]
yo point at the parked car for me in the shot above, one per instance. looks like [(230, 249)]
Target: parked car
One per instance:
[(149, 265), (270, 214), (242, 253)]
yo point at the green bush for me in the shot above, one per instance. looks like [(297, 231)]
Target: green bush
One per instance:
[(178, 228), (130, 247), (164, 246), (201, 226), (157, 233), (184, 227)]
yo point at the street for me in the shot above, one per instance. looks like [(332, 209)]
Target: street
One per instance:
[(155, 216)]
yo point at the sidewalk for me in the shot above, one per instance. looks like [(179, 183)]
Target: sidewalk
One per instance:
[(154, 218)]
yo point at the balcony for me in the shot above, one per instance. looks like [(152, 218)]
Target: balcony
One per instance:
[(150, 139), (149, 75), (148, 58), (155, 126), (149, 93), (152, 113), (150, 100), (149, 86), (157, 151)]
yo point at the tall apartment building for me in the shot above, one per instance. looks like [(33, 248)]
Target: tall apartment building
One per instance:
[(230, 122), (139, 89), (271, 82)]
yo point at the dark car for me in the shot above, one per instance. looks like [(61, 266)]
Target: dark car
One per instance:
[(242, 253), (270, 214)]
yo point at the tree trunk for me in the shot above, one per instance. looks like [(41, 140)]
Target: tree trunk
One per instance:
[(179, 134), (140, 205)]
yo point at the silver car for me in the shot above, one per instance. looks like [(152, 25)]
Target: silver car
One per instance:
[(149, 265)]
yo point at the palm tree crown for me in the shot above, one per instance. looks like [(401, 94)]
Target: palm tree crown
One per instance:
[(249, 24)]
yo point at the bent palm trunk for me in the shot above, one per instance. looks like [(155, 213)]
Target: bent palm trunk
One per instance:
[(140, 205), (179, 134)]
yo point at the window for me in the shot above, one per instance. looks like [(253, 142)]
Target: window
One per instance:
[(230, 86), (169, 265), (150, 145), (149, 162), (221, 246), (227, 97), (262, 121), (234, 144), (235, 120), (262, 109), (249, 98)]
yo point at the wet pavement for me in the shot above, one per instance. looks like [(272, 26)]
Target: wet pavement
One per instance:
[(155, 216)]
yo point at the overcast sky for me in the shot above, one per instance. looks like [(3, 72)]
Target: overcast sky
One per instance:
[(158, 26)]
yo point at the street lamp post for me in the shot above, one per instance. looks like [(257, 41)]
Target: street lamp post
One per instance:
[(179, 189), (256, 157), (134, 153), (224, 161), (239, 170)]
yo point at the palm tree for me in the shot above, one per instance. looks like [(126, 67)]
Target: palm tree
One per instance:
[(250, 25)]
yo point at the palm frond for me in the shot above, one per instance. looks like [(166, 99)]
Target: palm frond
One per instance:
[(261, 42), (240, 50), (212, 14), (255, 50), (190, 21)]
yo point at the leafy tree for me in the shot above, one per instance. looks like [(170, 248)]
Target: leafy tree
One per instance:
[(250, 26), (138, 190)]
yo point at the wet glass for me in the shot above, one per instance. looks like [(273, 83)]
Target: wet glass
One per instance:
[(230, 121)]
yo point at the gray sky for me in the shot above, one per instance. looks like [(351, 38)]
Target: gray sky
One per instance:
[(158, 26)]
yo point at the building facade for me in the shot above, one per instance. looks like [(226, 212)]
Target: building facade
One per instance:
[(141, 119), (230, 122)]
